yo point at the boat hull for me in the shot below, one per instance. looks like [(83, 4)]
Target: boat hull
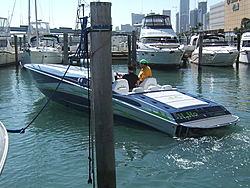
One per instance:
[(215, 58), (244, 56), (4, 146), (164, 110), (7, 57), (41, 56), (171, 57)]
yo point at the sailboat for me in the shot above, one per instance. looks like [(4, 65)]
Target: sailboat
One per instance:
[(43, 47), (7, 52)]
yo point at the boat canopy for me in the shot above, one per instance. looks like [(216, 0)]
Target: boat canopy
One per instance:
[(157, 21)]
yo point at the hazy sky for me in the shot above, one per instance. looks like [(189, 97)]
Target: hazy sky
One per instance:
[(62, 13)]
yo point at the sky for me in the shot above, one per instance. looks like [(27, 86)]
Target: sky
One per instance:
[(62, 13)]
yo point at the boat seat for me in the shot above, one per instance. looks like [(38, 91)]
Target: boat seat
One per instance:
[(120, 86), (153, 88), (167, 87), (148, 82), (138, 90)]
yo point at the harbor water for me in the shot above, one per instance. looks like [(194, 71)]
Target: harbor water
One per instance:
[(53, 152)]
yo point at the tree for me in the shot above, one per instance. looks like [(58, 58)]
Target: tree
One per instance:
[(244, 26)]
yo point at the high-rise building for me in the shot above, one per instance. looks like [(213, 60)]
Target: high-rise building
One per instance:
[(137, 18), (193, 17), (177, 22), (216, 18), (202, 10), (167, 12), (235, 11), (184, 15)]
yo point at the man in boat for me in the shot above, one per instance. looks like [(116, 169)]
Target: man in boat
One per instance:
[(131, 77), (145, 71)]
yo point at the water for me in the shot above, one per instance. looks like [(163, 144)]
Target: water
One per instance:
[(54, 150)]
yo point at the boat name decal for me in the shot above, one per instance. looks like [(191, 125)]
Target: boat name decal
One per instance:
[(187, 115)]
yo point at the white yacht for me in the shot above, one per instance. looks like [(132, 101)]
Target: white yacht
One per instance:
[(215, 51), (158, 42), (7, 52), (245, 48)]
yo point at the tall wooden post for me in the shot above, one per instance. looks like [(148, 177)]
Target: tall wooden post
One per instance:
[(129, 50), (134, 48), (101, 95), (200, 50), (65, 48), (238, 48), (16, 51)]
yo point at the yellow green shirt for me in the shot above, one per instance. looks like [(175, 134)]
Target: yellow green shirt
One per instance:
[(145, 73)]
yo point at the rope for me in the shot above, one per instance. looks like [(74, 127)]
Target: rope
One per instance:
[(22, 130), (106, 42)]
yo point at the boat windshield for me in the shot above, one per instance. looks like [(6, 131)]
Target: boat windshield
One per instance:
[(160, 40), (3, 43), (157, 21), (246, 43), (217, 43), (214, 41)]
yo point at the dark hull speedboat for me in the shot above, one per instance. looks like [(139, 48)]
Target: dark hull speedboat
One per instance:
[(163, 108)]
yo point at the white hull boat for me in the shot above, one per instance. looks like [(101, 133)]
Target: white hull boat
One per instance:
[(7, 52), (215, 51), (245, 48), (158, 42), (160, 107), (4, 146)]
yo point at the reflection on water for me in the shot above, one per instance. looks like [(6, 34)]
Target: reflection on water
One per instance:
[(54, 150)]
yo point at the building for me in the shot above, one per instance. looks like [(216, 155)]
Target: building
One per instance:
[(184, 15), (177, 22), (167, 12), (194, 17), (217, 18), (235, 11), (126, 28), (202, 10), (137, 18)]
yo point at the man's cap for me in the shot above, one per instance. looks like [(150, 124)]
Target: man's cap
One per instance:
[(144, 61)]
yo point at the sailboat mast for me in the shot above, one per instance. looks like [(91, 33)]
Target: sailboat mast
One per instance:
[(37, 39), (29, 22)]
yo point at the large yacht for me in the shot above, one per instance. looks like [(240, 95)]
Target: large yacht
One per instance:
[(158, 43)]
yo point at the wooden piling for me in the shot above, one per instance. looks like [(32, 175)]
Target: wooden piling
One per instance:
[(134, 48), (101, 95), (238, 48), (200, 51), (16, 50), (65, 48), (129, 50)]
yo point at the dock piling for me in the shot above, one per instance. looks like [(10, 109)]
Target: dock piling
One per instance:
[(101, 95)]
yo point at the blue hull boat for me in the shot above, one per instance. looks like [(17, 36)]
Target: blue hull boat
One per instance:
[(160, 107)]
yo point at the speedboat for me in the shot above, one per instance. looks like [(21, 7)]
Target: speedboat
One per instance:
[(158, 43), (7, 52), (245, 48), (215, 51), (161, 107), (4, 146)]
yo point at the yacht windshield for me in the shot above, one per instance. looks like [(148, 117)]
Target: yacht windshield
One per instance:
[(159, 40), (214, 41), (157, 21), (246, 43)]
